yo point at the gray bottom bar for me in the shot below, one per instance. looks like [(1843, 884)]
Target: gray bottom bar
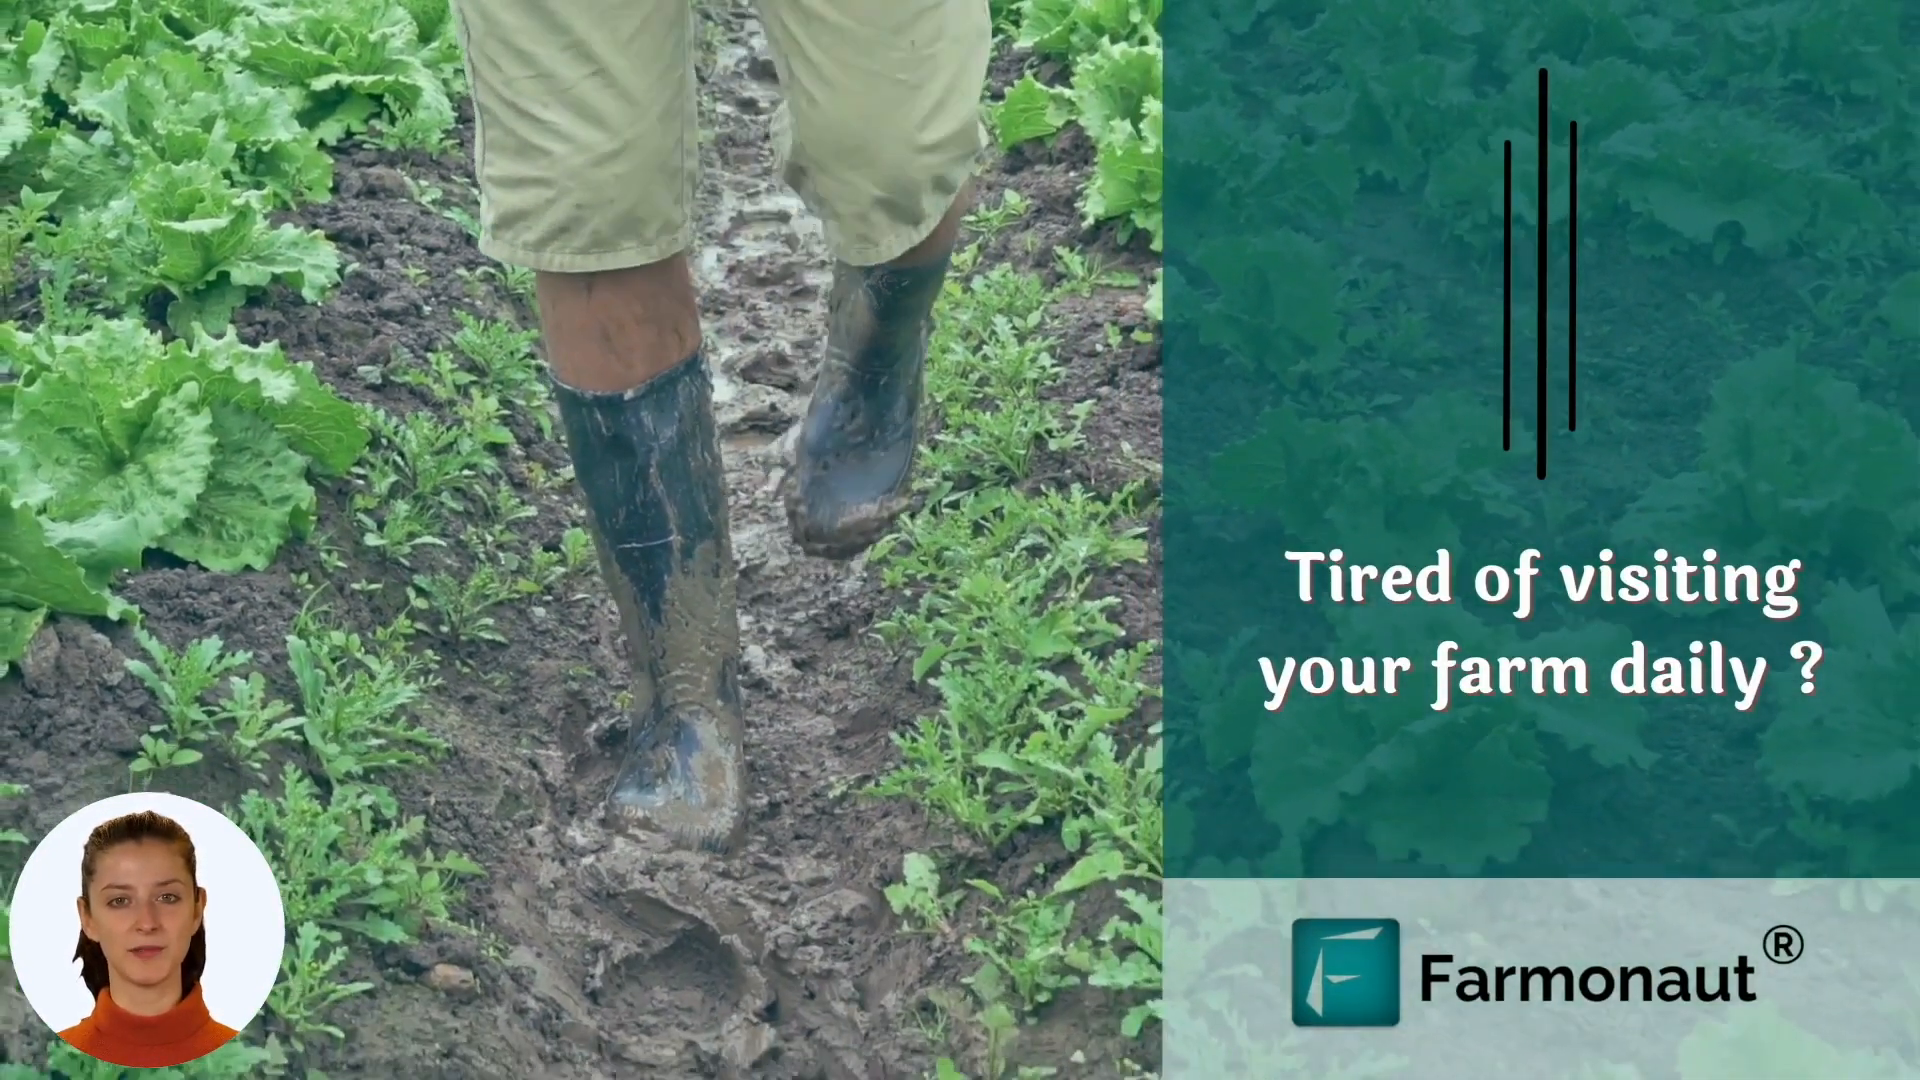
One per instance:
[(1543, 979)]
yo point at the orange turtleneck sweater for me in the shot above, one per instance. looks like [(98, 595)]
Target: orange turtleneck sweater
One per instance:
[(179, 1035)]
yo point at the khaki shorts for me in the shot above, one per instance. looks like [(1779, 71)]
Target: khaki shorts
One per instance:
[(587, 142)]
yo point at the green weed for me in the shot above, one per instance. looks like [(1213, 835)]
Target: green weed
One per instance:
[(1034, 680)]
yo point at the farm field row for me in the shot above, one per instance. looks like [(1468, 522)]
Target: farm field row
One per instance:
[(292, 534)]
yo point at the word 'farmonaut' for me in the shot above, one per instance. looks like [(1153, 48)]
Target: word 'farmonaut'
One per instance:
[(1544, 983)]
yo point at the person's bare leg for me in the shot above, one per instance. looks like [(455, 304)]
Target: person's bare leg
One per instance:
[(610, 331), (635, 399), (853, 467)]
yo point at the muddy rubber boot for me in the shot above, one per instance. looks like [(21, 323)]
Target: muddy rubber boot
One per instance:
[(853, 465), (648, 462)]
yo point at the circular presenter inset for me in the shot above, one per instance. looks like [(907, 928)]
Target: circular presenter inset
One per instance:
[(147, 930)]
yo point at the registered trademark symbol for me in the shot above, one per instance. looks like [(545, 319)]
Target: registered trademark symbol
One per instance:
[(1783, 944)]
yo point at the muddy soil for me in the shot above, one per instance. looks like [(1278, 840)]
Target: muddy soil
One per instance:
[(601, 956)]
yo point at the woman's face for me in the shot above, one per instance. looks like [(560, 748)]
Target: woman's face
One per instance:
[(143, 909)]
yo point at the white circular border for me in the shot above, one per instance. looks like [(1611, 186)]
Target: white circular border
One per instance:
[(245, 920)]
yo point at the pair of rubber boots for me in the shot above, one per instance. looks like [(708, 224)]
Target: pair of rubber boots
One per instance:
[(649, 465)]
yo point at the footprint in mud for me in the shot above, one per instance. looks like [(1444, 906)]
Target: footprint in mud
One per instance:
[(681, 965)]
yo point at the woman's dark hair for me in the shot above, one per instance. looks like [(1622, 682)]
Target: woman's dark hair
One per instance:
[(132, 829)]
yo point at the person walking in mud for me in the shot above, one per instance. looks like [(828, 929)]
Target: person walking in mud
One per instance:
[(586, 150)]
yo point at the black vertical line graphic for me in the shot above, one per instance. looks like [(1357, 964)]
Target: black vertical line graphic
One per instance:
[(1506, 324), (1573, 275), (1540, 295)]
